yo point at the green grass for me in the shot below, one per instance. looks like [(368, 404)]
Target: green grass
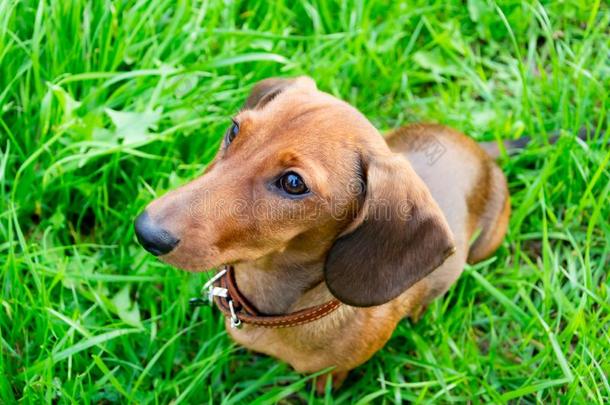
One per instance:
[(104, 106)]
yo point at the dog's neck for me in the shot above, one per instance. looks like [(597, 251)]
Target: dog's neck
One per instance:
[(274, 286)]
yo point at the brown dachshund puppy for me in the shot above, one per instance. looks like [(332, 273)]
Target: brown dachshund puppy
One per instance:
[(309, 203)]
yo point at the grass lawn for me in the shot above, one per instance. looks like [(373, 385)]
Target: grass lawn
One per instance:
[(104, 106)]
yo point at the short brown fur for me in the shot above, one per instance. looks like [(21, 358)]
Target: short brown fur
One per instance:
[(289, 253)]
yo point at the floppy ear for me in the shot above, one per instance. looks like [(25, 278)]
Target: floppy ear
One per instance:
[(266, 90), (403, 236)]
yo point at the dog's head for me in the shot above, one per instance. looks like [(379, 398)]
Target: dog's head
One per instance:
[(303, 174)]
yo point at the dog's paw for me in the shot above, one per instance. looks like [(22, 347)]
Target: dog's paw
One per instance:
[(416, 314), (336, 380)]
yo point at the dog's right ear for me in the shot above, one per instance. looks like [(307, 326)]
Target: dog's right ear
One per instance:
[(266, 90)]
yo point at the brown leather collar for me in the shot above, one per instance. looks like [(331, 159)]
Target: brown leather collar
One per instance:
[(234, 305)]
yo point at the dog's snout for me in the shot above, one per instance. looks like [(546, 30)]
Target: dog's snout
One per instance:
[(152, 237)]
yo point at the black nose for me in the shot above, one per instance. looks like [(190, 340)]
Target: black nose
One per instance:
[(152, 237)]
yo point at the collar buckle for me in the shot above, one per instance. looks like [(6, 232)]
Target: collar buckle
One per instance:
[(222, 290), (211, 290)]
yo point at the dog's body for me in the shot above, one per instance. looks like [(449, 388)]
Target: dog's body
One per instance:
[(382, 270), (470, 190)]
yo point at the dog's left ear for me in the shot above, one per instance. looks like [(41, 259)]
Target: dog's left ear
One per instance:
[(402, 236), (266, 90)]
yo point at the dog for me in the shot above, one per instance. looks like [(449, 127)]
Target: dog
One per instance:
[(332, 233)]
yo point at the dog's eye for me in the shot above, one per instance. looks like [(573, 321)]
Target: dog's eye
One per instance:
[(292, 183), (232, 132)]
